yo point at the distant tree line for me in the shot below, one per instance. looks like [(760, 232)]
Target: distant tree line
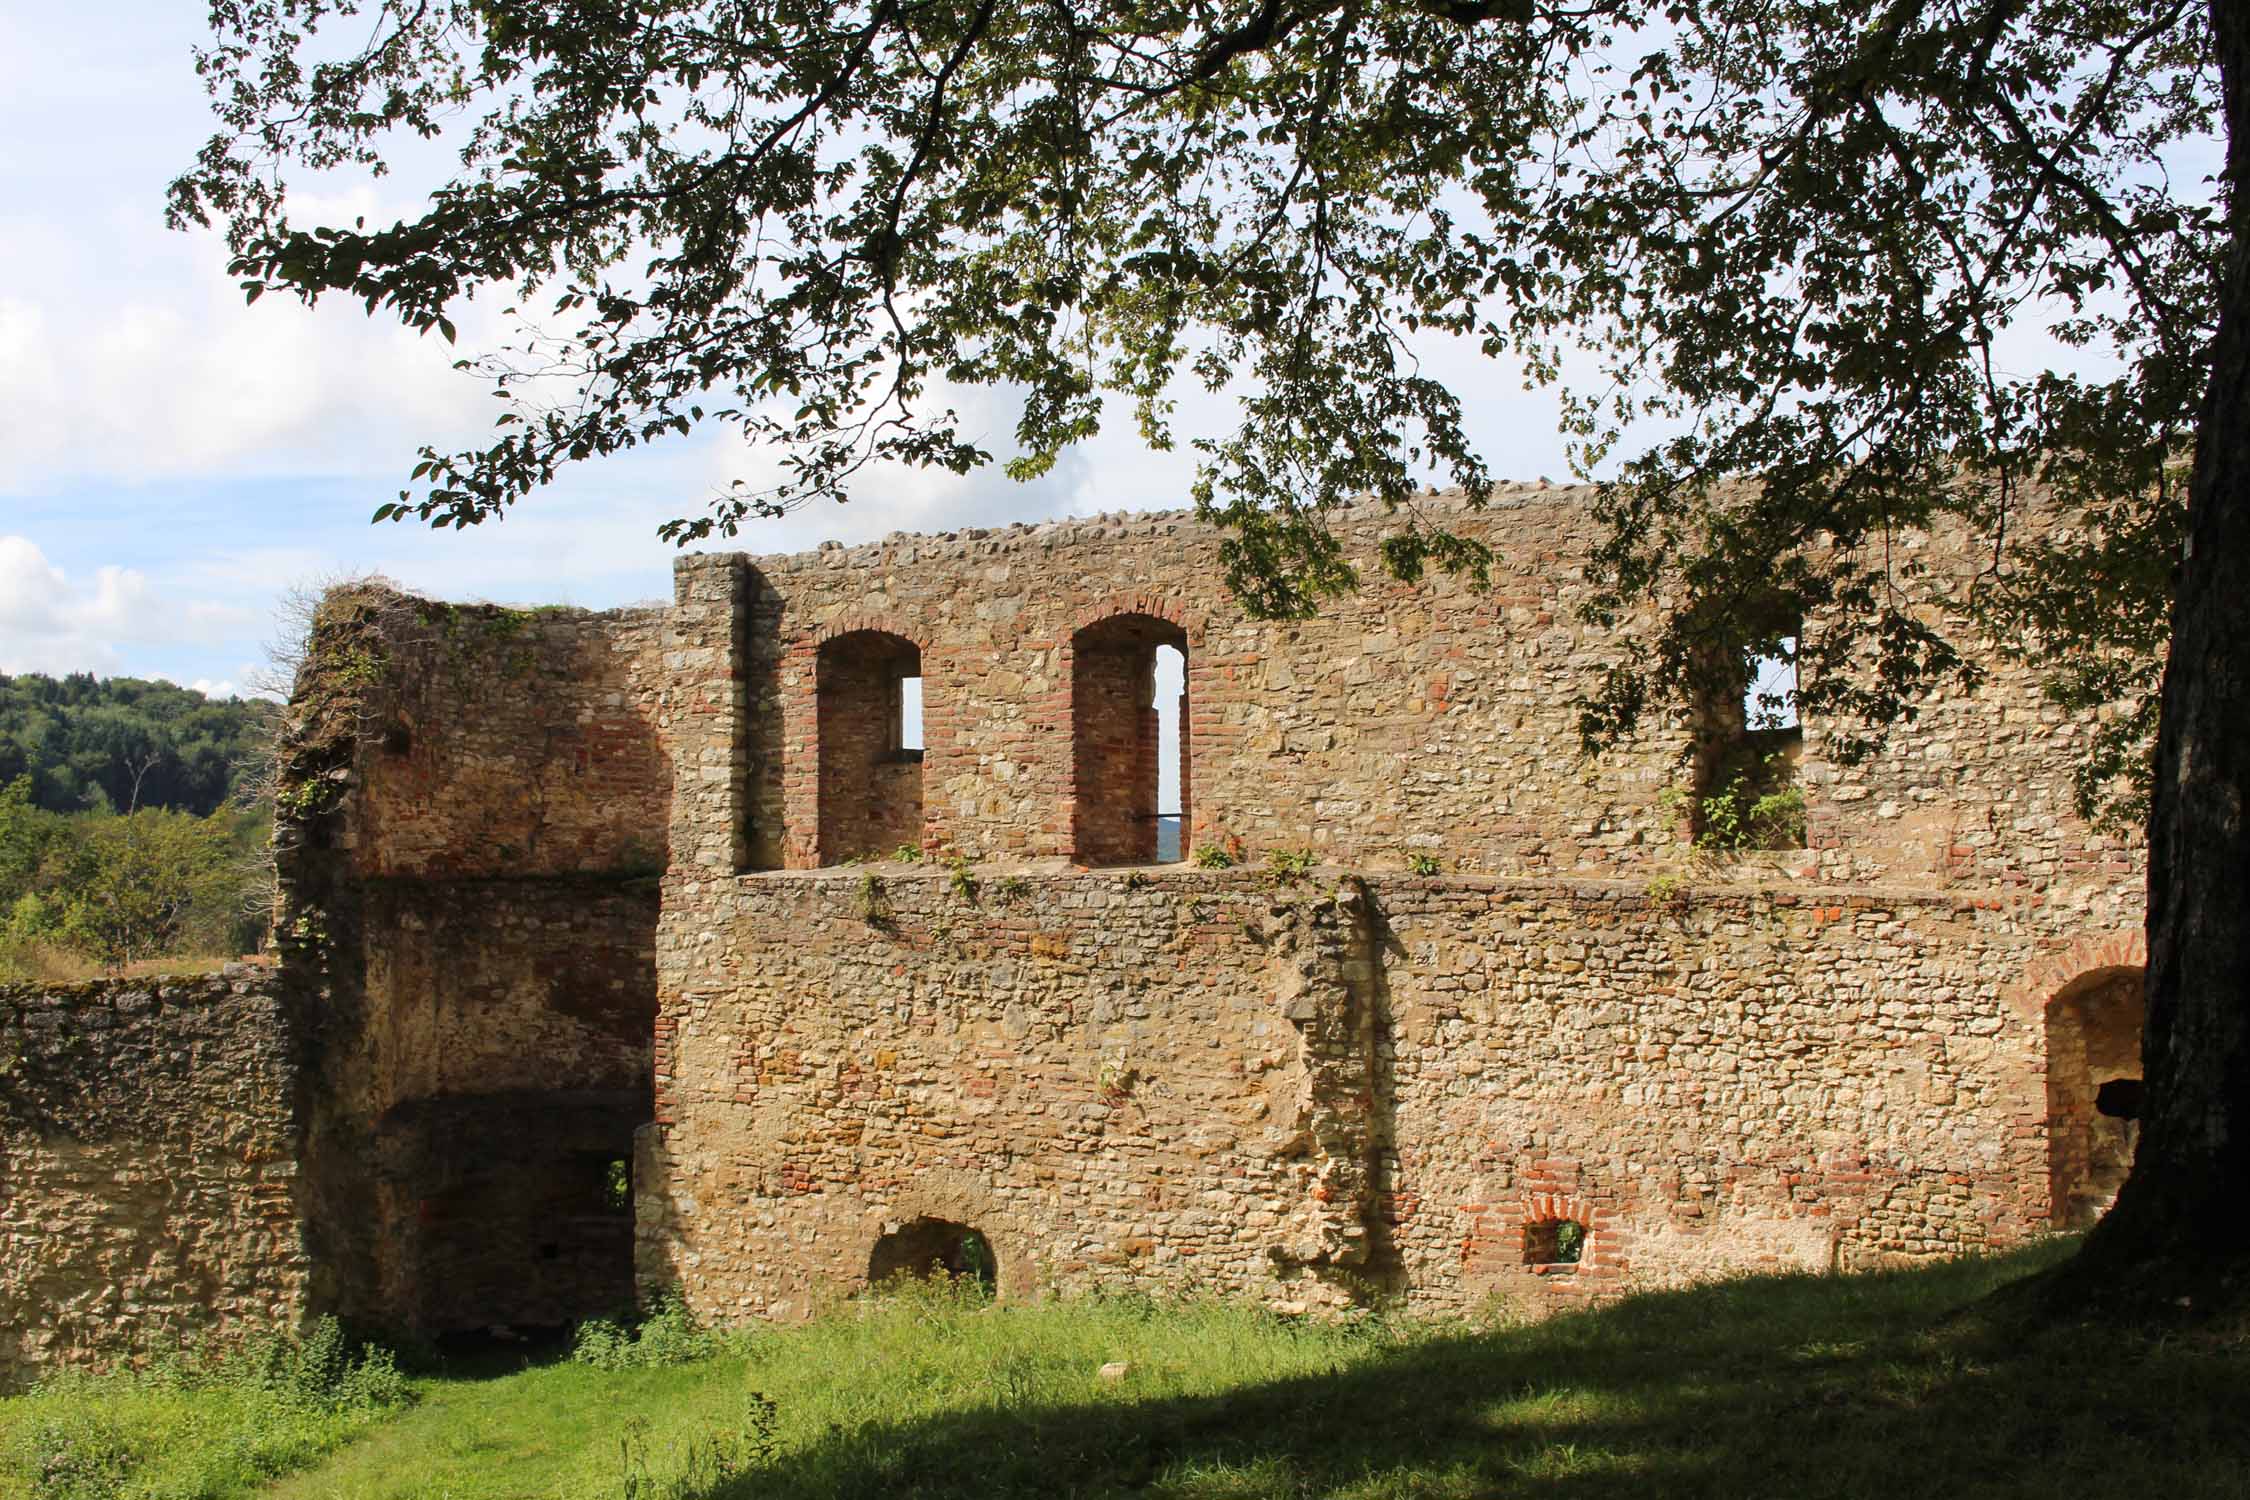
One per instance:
[(126, 830), (120, 744)]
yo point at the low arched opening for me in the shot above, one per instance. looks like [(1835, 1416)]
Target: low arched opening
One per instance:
[(2093, 1091), (926, 1249)]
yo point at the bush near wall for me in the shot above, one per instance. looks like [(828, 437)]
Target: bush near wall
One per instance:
[(107, 890)]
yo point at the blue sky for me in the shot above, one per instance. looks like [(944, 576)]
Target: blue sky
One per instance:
[(172, 461)]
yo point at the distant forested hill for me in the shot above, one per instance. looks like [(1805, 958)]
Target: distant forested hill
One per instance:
[(117, 742)]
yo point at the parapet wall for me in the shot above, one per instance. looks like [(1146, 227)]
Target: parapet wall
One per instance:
[(1430, 719), (148, 1167)]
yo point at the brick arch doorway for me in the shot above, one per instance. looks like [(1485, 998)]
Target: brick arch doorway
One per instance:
[(2093, 1082)]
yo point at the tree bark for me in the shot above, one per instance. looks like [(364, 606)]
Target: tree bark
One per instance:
[(2180, 1231)]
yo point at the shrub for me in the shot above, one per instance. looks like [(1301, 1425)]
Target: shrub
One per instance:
[(81, 1454), (1759, 806), (327, 1370), (668, 1335)]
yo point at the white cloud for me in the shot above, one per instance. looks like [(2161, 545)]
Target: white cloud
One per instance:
[(179, 379), (51, 623)]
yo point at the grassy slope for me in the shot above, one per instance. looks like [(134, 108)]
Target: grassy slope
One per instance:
[(1783, 1387)]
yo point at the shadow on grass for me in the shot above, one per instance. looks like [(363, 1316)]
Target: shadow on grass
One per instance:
[(1812, 1386)]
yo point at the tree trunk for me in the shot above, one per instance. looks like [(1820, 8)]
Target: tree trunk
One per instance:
[(2179, 1236)]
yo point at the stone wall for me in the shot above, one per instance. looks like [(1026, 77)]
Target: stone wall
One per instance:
[(481, 904), (562, 889), (1429, 719), (1310, 1090), (148, 1167), (1821, 1057)]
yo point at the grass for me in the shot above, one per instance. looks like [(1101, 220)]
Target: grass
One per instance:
[(1779, 1386), (195, 1430)]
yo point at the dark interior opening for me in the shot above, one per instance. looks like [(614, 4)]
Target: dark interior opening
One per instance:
[(1553, 1242), (2093, 1091), (925, 1248)]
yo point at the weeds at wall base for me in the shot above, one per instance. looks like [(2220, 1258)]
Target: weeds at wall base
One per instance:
[(192, 1425)]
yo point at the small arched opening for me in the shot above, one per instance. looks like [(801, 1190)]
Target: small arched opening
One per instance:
[(869, 689), (925, 1249), (1129, 738), (2093, 1091)]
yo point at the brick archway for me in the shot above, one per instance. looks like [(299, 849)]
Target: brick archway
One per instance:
[(2127, 949), (1156, 606), (1117, 743)]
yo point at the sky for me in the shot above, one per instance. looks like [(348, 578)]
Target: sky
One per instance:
[(173, 461)]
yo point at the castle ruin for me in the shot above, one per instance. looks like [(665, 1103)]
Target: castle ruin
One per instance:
[(657, 948)]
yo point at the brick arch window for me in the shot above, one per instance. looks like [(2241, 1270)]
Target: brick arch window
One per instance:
[(868, 685), (1128, 750), (1554, 1244)]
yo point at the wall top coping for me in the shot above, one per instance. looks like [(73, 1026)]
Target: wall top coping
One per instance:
[(987, 541), (1321, 884), (141, 992)]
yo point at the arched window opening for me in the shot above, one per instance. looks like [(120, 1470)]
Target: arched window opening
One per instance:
[(1129, 736), (869, 689), (2093, 1091), (1552, 1244), (926, 1249)]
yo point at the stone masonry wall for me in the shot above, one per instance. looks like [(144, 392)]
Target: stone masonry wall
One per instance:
[(1427, 719), (1824, 1057), (1306, 1091), (148, 1167), (512, 744), (555, 879), (482, 903)]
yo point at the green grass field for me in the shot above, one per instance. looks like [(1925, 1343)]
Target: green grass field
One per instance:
[(1793, 1386)]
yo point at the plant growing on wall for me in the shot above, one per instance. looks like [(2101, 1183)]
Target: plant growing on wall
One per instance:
[(961, 877), (869, 899), (1758, 806)]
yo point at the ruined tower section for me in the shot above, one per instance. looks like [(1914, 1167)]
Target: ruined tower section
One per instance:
[(1422, 1001), (474, 820)]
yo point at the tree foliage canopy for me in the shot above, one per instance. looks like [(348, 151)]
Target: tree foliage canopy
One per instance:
[(118, 742), (1804, 237)]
